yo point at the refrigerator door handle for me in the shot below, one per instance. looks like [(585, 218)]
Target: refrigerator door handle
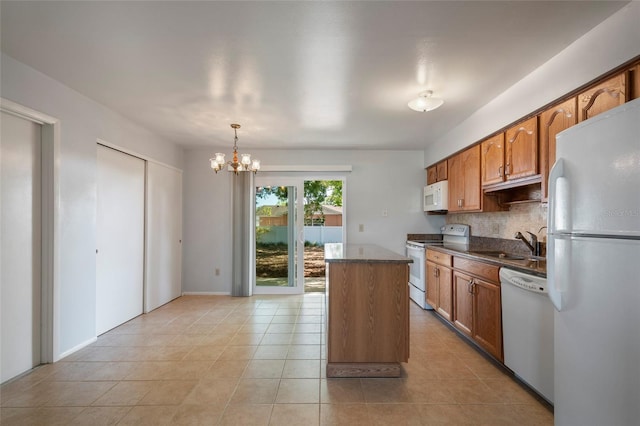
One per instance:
[(558, 219)]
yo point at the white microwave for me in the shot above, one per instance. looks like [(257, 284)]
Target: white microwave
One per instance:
[(436, 196)]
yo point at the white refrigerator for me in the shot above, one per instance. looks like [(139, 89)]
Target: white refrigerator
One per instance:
[(593, 269)]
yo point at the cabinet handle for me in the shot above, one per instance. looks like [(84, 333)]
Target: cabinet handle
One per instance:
[(436, 272), (500, 171), (470, 286), (507, 170)]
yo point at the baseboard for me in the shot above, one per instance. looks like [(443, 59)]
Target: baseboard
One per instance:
[(206, 293), (74, 349)]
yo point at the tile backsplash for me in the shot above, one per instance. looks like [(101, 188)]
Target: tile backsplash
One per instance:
[(521, 217)]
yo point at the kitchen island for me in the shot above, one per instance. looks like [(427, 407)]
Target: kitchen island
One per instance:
[(367, 311)]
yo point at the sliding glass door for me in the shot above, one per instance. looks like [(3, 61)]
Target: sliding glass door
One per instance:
[(279, 240)]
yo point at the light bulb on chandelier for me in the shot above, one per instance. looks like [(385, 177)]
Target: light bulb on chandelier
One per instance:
[(245, 164)]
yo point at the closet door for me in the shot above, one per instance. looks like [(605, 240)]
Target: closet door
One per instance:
[(164, 235), (120, 238), (20, 251)]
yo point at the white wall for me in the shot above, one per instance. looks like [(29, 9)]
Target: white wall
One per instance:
[(608, 45), (380, 180), (82, 121)]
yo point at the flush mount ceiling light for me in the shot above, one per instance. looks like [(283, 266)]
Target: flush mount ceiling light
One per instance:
[(244, 165), (425, 102)]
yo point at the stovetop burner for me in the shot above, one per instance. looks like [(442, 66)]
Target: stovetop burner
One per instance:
[(454, 235)]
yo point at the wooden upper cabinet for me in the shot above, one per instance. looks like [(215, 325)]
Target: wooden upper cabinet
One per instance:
[(437, 172), (432, 175), (492, 159), (606, 95), (464, 180), (521, 150), (553, 121), (635, 78), (441, 169)]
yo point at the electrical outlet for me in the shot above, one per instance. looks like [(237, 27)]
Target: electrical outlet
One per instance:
[(495, 229), (361, 228), (385, 213), (217, 272)]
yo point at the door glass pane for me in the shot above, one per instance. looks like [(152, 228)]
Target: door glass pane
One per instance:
[(276, 242), (322, 224)]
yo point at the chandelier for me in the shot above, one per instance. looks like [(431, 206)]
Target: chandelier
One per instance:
[(244, 165)]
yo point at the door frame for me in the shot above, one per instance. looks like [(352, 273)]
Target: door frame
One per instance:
[(50, 222), (298, 174)]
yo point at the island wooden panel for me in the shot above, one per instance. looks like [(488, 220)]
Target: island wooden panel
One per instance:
[(368, 318)]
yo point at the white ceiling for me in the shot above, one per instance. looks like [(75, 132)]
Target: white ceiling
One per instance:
[(294, 74)]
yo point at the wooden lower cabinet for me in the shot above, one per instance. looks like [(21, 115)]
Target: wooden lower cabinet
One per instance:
[(463, 302), (445, 293), (487, 316), (477, 310), (439, 289), (431, 280)]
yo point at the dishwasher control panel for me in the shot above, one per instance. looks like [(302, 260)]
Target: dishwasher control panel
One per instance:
[(523, 280)]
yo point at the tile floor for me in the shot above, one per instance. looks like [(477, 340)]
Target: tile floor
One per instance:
[(216, 360)]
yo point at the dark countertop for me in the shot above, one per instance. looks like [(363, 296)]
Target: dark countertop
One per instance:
[(358, 253), (526, 265)]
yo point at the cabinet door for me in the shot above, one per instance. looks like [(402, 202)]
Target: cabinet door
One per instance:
[(492, 159), (464, 180), (445, 293), (602, 97), (456, 182), (432, 175), (521, 155), (432, 284), (441, 171), (553, 121), (635, 73), (463, 302), (472, 187), (487, 317)]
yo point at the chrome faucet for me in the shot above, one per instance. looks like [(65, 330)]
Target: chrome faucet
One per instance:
[(533, 245)]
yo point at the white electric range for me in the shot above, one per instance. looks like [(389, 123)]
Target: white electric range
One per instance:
[(455, 236)]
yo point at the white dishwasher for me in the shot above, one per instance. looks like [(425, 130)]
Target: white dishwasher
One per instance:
[(527, 329)]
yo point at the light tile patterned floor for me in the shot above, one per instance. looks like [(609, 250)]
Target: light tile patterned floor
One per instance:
[(216, 360)]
